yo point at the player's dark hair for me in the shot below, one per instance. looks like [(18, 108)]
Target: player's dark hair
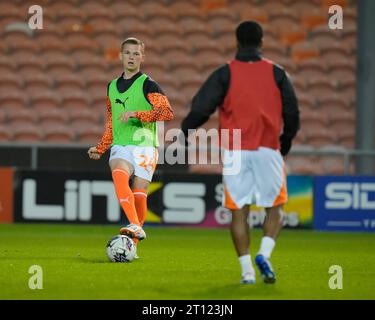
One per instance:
[(133, 41), (249, 34)]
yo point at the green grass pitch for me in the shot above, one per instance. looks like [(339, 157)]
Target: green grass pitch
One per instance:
[(179, 263)]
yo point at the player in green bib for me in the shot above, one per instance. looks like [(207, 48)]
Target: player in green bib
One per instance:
[(134, 103)]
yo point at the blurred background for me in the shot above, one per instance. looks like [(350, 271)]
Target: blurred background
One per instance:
[(53, 81)]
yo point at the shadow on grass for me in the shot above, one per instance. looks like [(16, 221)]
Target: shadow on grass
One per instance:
[(243, 292)]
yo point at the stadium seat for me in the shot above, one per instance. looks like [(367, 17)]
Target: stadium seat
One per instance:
[(124, 10), (313, 18), (184, 9), (44, 99), (222, 24), (133, 26), (26, 132), (346, 137), (68, 83), (313, 116), (318, 136), (81, 43), (12, 99), (304, 51), (21, 115), (161, 26), (7, 64), (248, 12), (5, 133), (334, 102), (192, 25), (95, 10), (156, 10), (89, 133), (58, 64), (10, 81), (27, 62), (58, 133), (51, 43), (84, 115), (51, 115), (293, 34), (320, 85), (304, 165), (75, 99)]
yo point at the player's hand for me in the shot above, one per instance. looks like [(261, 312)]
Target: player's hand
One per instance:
[(125, 116), (94, 153)]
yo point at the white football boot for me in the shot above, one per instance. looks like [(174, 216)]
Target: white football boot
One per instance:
[(133, 231)]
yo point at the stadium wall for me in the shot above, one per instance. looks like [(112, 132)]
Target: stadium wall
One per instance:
[(332, 203)]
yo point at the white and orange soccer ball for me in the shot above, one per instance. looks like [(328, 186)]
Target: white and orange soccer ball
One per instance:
[(121, 248)]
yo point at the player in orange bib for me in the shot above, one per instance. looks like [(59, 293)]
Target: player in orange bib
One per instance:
[(254, 95)]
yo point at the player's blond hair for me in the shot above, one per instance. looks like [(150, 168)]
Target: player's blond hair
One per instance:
[(133, 40)]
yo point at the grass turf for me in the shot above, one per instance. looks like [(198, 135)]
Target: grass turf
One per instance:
[(179, 263)]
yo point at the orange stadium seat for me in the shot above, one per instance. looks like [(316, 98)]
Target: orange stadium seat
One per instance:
[(44, 99), (313, 117), (94, 10), (346, 137), (162, 25), (84, 115), (103, 26), (304, 165), (133, 27), (27, 62), (320, 85), (248, 12), (68, 83), (7, 64), (81, 43), (61, 10), (37, 82), (21, 115), (123, 10), (75, 99), (341, 120), (192, 25), (334, 103), (12, 99), (156, 9), (5, 133), (58, 133), (89, 133), (51, 115), (222, 24), (171, 42), (10, 81), (304, 51), (58, 64), (26, 132), (51, 43), (184, 9), (318, 136), (313, 18)]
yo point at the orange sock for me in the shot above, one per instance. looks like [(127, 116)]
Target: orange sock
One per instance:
[(140, 200), (125, 194)]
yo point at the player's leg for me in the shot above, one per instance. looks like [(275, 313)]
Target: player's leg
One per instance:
[(240, 232), (271, 228), (144, 160), (273, 194), (139, 188), (122, 169)]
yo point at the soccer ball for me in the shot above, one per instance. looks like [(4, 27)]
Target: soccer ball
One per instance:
[(121, 249)]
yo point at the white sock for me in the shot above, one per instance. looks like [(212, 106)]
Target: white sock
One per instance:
[(246, 265), (266, 247)]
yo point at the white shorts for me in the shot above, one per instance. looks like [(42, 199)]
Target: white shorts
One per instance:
[(261, 178), (143, 159)]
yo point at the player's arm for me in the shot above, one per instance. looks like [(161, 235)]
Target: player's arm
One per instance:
[(161, 108), (106, 140), (209, 97), (290, 109)]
